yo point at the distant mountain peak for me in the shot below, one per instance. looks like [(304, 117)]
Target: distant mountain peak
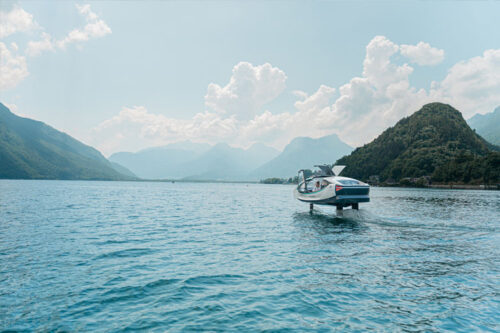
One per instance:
[(487, 125), (177, 160), (303, 153)]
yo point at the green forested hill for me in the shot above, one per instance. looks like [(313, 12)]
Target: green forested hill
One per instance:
[(416, 145), (30, 149)]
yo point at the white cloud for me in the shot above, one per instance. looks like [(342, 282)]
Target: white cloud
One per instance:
[(317, 101), (137, 128), (17, 20), (300, 94), (13, 68), (249, 89), (35, 48), (379, 98), (94, 28), (87, 12), (473, 85), (377, 66), (422, 54)]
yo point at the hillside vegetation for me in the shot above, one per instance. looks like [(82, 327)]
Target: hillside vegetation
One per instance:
[(470, 169), (30, 149)]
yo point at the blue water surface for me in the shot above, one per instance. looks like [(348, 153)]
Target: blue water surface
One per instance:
[(119, 256)]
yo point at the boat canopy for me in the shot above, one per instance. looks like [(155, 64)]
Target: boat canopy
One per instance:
[(325, 170)]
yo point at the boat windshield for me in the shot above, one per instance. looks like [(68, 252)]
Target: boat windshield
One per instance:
[(349, 182)]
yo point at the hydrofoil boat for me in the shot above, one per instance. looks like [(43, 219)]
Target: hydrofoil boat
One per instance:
[(327, 187)]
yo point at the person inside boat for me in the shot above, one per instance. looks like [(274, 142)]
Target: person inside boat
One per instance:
[(317, 186)]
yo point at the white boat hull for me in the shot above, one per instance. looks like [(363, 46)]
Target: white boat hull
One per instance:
[(347, 196)]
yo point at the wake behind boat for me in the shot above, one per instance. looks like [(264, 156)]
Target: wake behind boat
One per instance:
[(327, 187)]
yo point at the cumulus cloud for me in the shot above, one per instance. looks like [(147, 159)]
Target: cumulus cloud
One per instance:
[(473, 86), (249, 88), (135, 128), (422, 54), (379, 98), (17, 20), (378, 68), (13, 68), (317, 101), (365, 105)]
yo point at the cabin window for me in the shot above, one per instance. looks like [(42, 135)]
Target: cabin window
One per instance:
[(312, 184), (349, 182)]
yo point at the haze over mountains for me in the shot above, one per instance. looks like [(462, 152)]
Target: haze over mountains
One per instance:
[(196, 161), (223, 162), (160, 162)]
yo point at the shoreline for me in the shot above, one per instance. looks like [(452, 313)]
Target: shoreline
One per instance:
[(465, 187), (450, 187), (432, 186)]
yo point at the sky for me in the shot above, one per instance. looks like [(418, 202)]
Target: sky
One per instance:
[(126, 75)]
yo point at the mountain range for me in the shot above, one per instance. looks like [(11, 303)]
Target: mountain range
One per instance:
[(416, 145), (487, 125), (303, 153), (30, 149), (194, 161), (160, 162), (435, 140)]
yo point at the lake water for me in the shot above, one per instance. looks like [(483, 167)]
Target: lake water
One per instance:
[(112, 256)]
